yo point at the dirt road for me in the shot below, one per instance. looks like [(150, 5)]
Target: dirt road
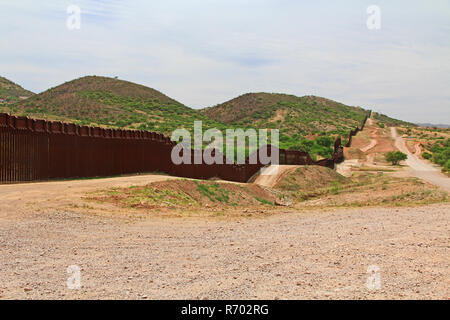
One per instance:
[(315, 255), (373, 143), (373, 135), (420, 168)]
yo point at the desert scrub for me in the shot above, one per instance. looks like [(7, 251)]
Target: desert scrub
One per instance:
[(439, 153)]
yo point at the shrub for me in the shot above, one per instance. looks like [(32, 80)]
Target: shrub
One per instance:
[(395, 157), (426, 155), (325, 141), (447, 166)]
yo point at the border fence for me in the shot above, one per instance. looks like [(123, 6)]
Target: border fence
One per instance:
[(38, 150)]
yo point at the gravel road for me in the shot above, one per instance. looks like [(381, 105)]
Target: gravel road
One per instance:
[(309, 255)]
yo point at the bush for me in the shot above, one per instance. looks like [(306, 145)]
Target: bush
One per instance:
[(440, 154), (395, 157), (447, 166), (325, 141), (426, 155), (440, 158)]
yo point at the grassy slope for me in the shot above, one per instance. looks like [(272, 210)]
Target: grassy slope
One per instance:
[(291, 114), (295, 117), (110, 102), (11, 91)]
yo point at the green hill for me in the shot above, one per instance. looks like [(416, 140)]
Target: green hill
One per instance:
[(290, 114), (299, 119), (109, 102), (11, 92)]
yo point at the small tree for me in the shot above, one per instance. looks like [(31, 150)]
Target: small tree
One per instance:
[(395, 157)]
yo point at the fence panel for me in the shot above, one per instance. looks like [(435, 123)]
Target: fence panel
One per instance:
[(32, 150)]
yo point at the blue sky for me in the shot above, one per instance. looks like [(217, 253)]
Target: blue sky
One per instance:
[(204, 52)]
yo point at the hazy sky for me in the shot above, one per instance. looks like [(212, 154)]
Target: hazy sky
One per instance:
[(204, 52)]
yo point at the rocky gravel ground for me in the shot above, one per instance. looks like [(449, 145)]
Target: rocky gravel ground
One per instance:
[(302, 255)]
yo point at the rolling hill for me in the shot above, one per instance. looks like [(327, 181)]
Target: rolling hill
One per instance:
[(306, 123), (110, 102), (308, 115), (11, 92), (114, 103)]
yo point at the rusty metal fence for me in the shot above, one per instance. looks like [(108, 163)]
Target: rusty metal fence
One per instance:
[(36, 150)]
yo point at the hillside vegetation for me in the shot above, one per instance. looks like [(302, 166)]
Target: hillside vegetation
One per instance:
[(306, 123), (291, 114), (297, 118), (11, 92), (109, 102), (439, 153)]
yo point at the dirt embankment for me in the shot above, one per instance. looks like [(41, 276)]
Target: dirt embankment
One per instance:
[(272, 175), (184, 197), (308, 178), (312, 186)]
